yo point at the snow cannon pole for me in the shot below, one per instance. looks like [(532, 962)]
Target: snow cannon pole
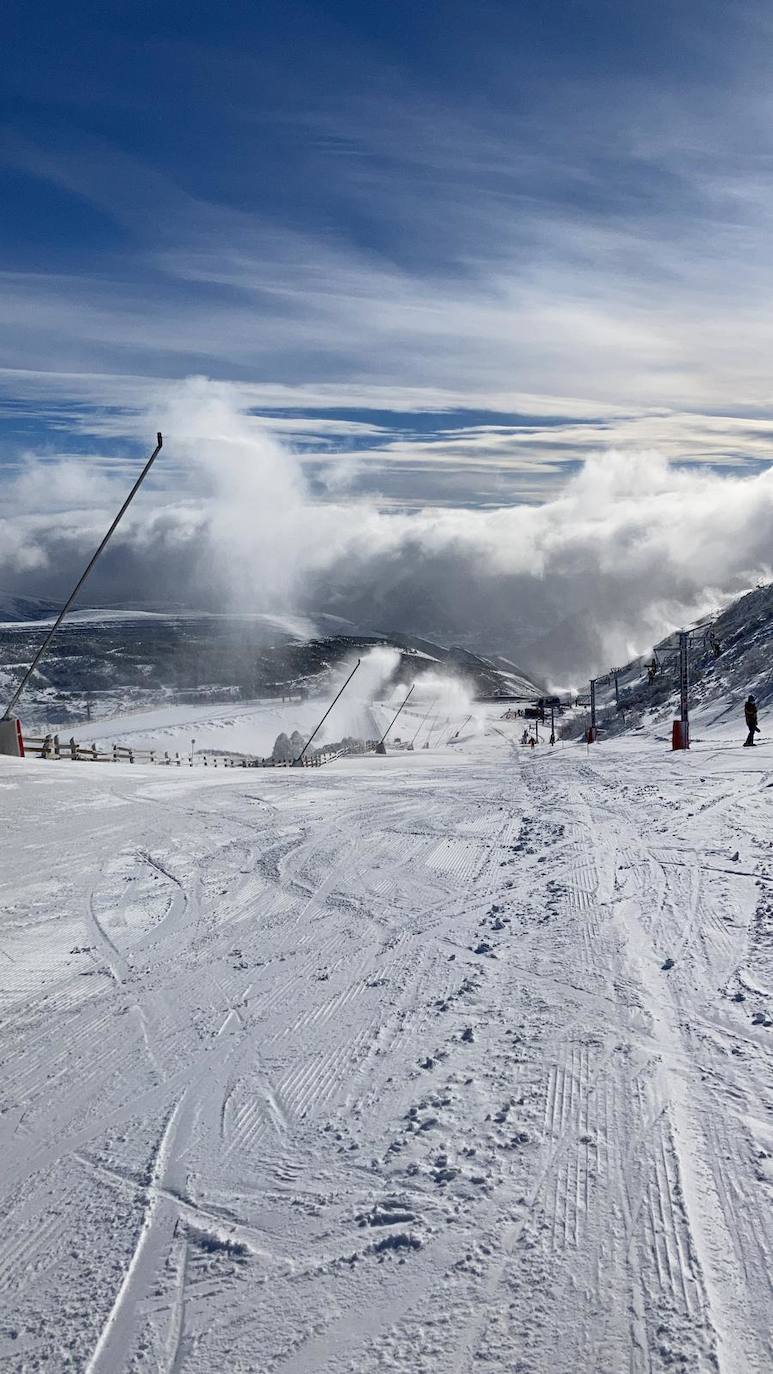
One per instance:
[(442, 729), (298, 763), (381, 747), (423, 721), (459, 731), (68, 603)]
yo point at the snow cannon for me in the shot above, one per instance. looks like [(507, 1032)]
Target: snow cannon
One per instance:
[(380, 748), (11, 741)]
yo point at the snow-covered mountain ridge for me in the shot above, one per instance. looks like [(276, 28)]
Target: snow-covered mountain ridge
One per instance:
[(105, 661)]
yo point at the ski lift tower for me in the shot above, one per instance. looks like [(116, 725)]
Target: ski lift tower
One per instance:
[(680, 730), (680, 733), (592, 731)]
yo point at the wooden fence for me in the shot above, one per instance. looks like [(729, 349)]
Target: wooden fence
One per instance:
[(52, 747)]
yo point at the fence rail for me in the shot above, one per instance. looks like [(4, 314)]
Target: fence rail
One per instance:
[(53, 747)]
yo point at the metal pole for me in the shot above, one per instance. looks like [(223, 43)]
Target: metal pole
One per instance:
[(423, 721), (684, 684), (552, 725), (296, 762), (593, 706), (617, 689), (68, 603), (461, 727), (443, 727), (380, 749)]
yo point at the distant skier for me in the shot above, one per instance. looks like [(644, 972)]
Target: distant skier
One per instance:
[(750, 711)]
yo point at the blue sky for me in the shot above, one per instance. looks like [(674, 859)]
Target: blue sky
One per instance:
[(447, 250)]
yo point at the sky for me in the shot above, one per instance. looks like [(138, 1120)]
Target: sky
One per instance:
[(439, 255)]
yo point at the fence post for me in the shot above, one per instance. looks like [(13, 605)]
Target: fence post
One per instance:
[(47, 745), (177, 759), (152, 756), (73, 748), (131, 754), (94, 753), (56, 747)]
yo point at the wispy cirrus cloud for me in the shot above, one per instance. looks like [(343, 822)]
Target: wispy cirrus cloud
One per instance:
[(448, 267)]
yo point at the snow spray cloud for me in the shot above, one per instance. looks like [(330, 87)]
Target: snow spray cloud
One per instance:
[(353, 715), (253, 493), (232, 531), (383, 680), (631, 548), (447, 699)]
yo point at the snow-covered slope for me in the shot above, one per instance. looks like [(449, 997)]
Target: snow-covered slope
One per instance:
[(445, 1061), (731, 655), (249, 728)]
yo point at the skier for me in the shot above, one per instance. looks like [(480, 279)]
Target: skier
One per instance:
[(750, 712)]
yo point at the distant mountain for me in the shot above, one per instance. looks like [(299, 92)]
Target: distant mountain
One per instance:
[(15, 608), (104, 660)]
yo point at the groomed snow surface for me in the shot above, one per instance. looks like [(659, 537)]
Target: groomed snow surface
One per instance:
[(458, 1060)]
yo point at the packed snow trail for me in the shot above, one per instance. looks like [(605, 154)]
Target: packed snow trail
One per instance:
[(437, 1062)]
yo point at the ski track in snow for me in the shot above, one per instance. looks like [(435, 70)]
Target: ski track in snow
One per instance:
[(437, 1062)]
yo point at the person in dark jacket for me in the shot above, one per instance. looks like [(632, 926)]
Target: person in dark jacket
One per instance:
[(750, 711)]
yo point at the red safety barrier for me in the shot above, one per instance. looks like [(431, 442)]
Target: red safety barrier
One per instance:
[(680, 735), (10, 737)]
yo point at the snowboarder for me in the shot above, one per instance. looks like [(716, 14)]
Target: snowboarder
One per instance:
[(750, 712)]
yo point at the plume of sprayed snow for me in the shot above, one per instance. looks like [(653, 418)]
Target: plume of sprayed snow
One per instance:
[(380, 682), (353, 715), (253, 492), (377, 673), (449, 699)]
